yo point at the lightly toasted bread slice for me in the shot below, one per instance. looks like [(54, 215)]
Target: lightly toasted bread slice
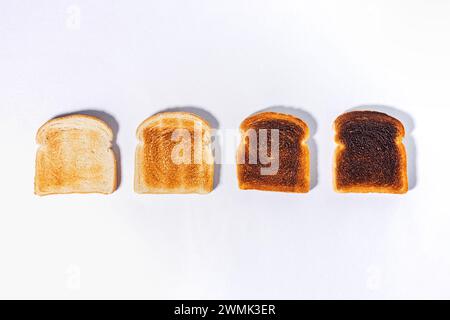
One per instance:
[(75, 156), (174, 154), (370, 155), (292, 165)]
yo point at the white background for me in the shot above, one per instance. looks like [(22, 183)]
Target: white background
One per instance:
[(230, 58)]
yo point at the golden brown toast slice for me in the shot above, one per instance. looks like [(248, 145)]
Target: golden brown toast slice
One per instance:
[(292, 171), (174, 154), (370, 155), (75, 156)]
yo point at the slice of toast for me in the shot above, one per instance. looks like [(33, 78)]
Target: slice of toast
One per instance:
[(174, 154), (370, 155), (256, 155), (75, 156)]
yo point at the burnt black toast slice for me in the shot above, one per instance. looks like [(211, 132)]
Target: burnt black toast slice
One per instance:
[(370, 156), (292, 174)]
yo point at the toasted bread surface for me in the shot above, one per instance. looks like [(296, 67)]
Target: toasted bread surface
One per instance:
[(293, 174), (174, 154), (370, 155), (75, 156)]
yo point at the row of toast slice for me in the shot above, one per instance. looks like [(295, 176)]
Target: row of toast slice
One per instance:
[(175, 155)]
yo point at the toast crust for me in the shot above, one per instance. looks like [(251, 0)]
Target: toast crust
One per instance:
[(75, 156), (294, 164), (155, 170), (377, 149)]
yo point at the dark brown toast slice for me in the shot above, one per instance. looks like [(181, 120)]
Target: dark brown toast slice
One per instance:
[(292, 174), (370, 156)]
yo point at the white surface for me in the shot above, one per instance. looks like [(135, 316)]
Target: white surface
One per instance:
[(231, 58)]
